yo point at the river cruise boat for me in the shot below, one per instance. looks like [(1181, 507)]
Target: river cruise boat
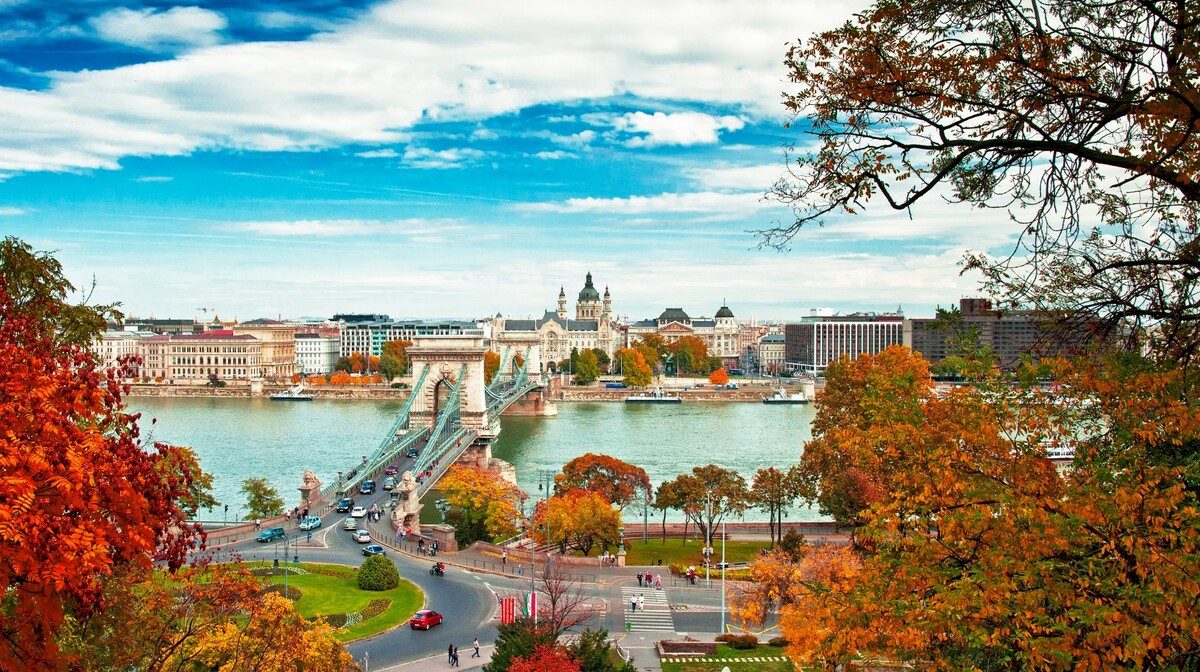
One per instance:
[(655, 396), (782, 396), (293, 394)]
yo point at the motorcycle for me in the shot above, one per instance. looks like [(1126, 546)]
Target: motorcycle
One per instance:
[(438, 570)]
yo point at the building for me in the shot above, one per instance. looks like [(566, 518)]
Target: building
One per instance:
[(316, 353), (1011, 335), (369, 337), (196, 358), (594, 327), (112, 345), (722, 333), (814, 342), (165, 326), (770, 355), (278, 358)]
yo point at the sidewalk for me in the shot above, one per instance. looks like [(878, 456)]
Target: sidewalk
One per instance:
[(439, 662)]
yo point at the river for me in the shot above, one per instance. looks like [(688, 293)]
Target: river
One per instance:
[(238, 438)]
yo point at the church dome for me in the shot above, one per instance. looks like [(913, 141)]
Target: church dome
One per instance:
[(589, 293), (724, 312)]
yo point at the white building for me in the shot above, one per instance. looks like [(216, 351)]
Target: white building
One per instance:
[(722, 333), (113, 345), (557, 334), (316, 353)]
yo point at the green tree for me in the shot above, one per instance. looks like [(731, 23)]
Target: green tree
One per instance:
[(587, 369), (775, 491), (262, 500), (378, 573), (390, 367), (518, 639), (343, 364), (602, 359), (397, 348), (595, 653), (691, 355), (183, 464), (708, 494)]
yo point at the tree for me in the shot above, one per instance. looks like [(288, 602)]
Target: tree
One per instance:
[(545, 658), (653, 342), (594, 653), (80, 496), (587, 368), (602, 359), (775, 491), (578, 518), (637, 373), (518, 639), (1077, 118), (691, 355), (566, 604), (197, 485), (483, 503), (398, 349), (491, 366), (378, 573), (667, 497), (708, 494), (343, 364), (617, 481), (339, 378), (390, 367), (718, 377), (262, 500)]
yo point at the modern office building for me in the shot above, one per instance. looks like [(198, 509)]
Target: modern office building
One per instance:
[(369, 337), (811, 344), (1011, 335), (316, 353)]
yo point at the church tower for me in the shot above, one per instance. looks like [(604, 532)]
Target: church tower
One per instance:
[(562, 303), (607, 314), (588, 305)]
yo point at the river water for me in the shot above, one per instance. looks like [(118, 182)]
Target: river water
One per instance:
[(241, 438)]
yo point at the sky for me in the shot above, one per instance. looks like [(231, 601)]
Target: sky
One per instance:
[(438, 158)]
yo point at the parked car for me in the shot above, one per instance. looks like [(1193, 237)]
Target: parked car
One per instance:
[(389, 483), (374, 549), (350, 524), (310, 523), (345, 505), (391, 469), (425, 619), (367, 487), (361, 536), (271, 534), (359, 512)]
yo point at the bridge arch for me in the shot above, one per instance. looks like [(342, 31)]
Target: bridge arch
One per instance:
[(448, 358)]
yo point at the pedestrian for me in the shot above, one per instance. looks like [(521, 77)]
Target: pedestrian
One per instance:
[(306, 512), (450, 654), (256, 523), (633, 603), (658, 583), (504, 557), (476, 645), (648, 579), (642, 602), (454, 657), (639, 579)]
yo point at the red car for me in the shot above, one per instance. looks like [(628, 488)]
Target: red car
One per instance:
[(425, 619), (390, 470)]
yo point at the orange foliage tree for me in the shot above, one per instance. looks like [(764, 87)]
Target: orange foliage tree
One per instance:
[(619, 482), (484, 506), (546, 658), (340, 378), (577, 518), (718, 377), (491, 366), (80, 495), (634, 368)]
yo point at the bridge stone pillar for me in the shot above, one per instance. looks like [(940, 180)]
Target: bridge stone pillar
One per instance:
[(446, 355)]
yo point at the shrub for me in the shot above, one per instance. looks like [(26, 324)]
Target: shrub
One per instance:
[(378, 573), (743, 642), (777, 641)]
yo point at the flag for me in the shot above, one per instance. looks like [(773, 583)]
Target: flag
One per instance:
[(508, 610), (531, 605)]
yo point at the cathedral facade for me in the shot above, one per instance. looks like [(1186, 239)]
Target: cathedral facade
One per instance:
[(557, 333)]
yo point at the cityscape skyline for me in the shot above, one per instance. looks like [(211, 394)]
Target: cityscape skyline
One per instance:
[(446, 160)]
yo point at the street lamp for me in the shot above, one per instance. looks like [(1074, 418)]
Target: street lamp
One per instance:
[(722, 577), (621, 539)]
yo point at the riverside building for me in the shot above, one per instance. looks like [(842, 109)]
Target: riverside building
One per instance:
[(814, 342), (594, 327)]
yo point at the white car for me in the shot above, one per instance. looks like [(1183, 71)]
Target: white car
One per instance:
[(350, 524), (361, 536), (359, 512)]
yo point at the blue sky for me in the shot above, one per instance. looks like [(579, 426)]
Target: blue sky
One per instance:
[(440, 158)]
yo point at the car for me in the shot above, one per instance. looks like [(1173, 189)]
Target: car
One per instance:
[(367, 487), (391, 470), (345, 505), (425, 619), (359, 512), (271, 534), (412, 452), (310, 523), (374, 549), (350, 524), (389, 483), (361, 536)]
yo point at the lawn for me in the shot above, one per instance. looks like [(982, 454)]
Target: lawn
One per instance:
[(336, 592), (729, 657), (683, 552)]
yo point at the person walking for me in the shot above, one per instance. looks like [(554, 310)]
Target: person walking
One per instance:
[(658, 583), (504, 557), (641, 602), (450, 655), (454, 657), (639, 579), (633, 603), (475, 644), (256, 523)]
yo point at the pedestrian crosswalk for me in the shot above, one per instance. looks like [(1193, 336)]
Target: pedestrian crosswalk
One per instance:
[(654, 616)]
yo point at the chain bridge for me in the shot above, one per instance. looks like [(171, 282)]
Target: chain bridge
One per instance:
[(452, 415)]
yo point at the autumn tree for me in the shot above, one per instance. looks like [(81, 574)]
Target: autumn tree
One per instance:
[(81, 497), (602, 359), (397, 349), (617, 481), (708, 494), (637, 373), (491, 366), (652, 342), (587, 368), (1079, 119), (339, 378), (563, 603), (516, 640), (718, 377), (667, 497), (343, 364), (578, 518), (484, 506), (545, 658), (262, 499), (197, 485), (691, 355), (775, 491)]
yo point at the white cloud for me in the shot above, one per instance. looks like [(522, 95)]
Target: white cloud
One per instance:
[(706, 202), (369, 79), (344, 227), (759, 177), (154, 178), (379, 154), (280, 20), (484, 134), (9, 211), (557, 154), (423, 157), (680, 128), (160, 30)]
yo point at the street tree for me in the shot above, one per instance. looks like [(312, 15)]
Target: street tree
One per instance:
[(587, 368), (691, 355), (517, 640), (545, 658), (197, 490), (566, 604), (1077, 118), (617, 481), (390, 367), (710, 493), (485, 505), (262, 499), (718, 377), (774, 492), (343, 364), (81, 496), (397, 348), (637, 373), (666, 498), (602, 359), (579, 519)]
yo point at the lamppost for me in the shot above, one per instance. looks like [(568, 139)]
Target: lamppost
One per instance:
[(708, 540), (621, 539), (722, 577)]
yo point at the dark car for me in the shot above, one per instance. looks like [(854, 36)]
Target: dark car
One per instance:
[(425, 619), (412, 452), (270, 534), (345, 505), (374, 549), (367, 487), (391, 469)]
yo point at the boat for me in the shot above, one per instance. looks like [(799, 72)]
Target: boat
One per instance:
[(655, 396), (293, 394), (782, 396)]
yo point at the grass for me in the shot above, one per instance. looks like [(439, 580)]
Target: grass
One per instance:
[(684, 552), (322, 594), (729, 656)]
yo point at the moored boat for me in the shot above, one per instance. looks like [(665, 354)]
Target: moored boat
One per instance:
[(782, 396), (292, 394), (655, 396)]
